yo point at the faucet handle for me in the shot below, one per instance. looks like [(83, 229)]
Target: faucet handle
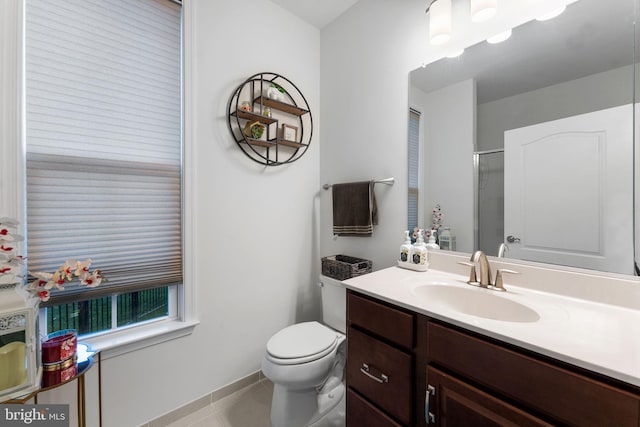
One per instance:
[(473, 279), (499, 285)]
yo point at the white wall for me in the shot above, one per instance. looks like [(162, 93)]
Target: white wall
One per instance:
[(255, 252), (256, 260), (366, 58)]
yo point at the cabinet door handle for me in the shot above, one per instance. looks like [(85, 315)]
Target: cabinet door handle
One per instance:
[(428, 415), (365, 370)]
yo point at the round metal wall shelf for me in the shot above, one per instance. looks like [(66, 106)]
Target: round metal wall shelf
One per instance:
[(270, 119)]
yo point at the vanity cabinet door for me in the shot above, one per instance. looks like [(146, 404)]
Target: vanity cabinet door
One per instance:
[(454, 403)]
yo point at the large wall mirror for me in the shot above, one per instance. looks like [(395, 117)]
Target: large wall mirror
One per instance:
[(530, 142)]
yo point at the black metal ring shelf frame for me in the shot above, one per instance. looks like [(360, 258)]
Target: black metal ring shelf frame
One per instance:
[(275, 150)]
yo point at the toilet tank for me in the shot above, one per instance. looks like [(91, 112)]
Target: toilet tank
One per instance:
[(334, 303)]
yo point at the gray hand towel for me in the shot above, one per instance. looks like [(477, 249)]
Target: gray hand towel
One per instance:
[(354, 209)]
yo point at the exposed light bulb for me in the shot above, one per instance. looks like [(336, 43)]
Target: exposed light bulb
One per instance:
[(552, 14), (440, 22), (482, 10), (500, 37)]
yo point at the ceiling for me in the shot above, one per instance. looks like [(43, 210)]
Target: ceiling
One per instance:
[(316, 12)]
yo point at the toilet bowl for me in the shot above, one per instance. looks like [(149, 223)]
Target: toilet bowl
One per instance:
[(306, 362)]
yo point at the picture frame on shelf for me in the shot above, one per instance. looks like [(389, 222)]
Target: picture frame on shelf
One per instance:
[(289, 132)]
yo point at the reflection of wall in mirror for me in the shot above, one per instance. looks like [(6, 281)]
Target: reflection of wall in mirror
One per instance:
[(592, 93), (449, 121)]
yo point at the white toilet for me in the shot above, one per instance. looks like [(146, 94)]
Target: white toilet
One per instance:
[(306, 361)]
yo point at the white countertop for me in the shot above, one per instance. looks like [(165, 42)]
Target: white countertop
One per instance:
[(604, 338)]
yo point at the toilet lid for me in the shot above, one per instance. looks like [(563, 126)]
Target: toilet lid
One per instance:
[(301, 340)]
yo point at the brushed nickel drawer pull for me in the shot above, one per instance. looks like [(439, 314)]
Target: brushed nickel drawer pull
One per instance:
[(365, 370), (429, 417)]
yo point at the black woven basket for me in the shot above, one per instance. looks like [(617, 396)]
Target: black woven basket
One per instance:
[(344, 267)]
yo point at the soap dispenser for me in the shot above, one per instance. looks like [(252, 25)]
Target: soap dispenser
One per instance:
[(405, 248), (431, 244), (419, 255)]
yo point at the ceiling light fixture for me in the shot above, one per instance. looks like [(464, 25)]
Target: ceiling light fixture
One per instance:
[(439, 21), (551, 15), (455, 53), (500, 37), (481, 10)]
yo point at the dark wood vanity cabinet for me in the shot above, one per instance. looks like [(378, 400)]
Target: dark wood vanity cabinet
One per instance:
[(468, 373), (380, 363), (404, 369)]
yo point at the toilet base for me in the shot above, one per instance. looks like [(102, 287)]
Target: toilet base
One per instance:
[(301, 408)]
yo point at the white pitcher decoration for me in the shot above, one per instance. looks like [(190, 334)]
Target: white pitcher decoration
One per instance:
[(275, 93)]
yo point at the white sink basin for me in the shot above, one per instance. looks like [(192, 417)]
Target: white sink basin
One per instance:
[(477, 302)]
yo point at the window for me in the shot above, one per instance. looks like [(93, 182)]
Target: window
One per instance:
[(104, 155), (414, 168)]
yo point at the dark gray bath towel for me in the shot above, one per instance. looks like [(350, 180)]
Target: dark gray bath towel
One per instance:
[(354, 209)]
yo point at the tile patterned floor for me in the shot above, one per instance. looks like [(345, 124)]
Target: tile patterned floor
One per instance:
[(248, 407)]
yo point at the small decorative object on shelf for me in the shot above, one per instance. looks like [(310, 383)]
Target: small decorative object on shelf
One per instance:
[(290, 133), (246, 106), (254, 130), (275, 92), (59, 357), (283, 114)]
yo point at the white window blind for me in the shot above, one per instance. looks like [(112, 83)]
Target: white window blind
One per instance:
[(414, 168), (103, 129)]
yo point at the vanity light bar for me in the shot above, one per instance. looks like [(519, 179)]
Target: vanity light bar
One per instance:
[(440, 17), (440, 22)]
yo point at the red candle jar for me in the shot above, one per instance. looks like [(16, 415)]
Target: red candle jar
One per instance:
[(57, 373), (59, 346)]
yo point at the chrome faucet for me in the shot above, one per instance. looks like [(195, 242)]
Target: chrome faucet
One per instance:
[(483, 269), (502, 249)]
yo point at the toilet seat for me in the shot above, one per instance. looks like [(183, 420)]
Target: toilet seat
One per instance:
[(301, 343)]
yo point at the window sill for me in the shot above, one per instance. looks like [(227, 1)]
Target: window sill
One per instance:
[(136, 338)]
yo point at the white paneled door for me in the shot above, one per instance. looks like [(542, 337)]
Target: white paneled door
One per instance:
[(568, 191)]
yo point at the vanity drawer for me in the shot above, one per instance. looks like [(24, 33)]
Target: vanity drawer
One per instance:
[(561, 394), (388, 322), (362, 413), (381, 373)]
